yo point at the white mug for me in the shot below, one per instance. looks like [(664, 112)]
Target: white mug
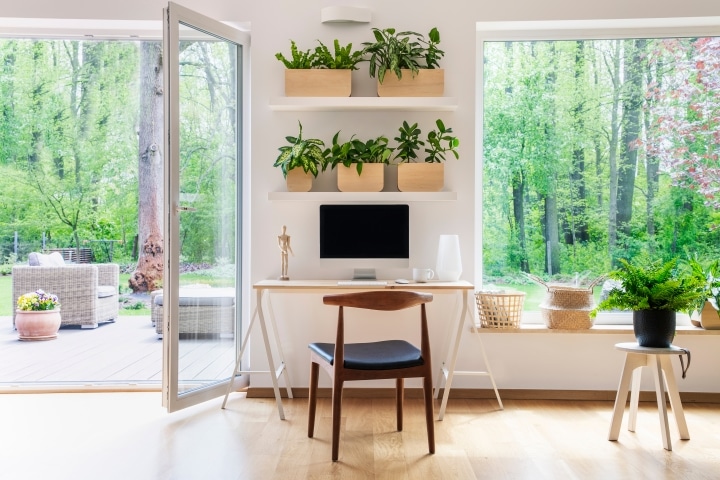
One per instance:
[(422, 275)]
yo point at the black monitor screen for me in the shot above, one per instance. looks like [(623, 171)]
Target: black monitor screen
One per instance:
[(364, 231)]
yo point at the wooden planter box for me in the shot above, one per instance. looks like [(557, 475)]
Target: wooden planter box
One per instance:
[(371, 180), (298, 180), (318, 82), (426, 83), (421, 177)]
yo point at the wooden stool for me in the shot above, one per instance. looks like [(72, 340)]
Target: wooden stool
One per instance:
[(658, 360)]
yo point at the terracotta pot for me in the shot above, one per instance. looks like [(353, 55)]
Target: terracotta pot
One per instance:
[(654, 328), (37, 325)]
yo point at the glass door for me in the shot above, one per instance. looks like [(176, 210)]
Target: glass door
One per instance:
[(204, 108)]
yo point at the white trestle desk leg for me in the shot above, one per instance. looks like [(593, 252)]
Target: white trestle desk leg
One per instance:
[(240, 354), (282, 366), (449, 340), (488, 371), (660, 392), (268, 353), (632, 361), (447, 371), (674, 395)]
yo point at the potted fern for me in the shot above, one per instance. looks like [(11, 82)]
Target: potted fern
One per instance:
[(320, 72), (406, 64), (301, 161), (360, 164), (654, 291), (428, 175)]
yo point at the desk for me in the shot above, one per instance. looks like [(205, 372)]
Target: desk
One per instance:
[(658, 360), (265, 287)]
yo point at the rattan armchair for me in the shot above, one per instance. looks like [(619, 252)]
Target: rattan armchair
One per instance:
[(88, 294)]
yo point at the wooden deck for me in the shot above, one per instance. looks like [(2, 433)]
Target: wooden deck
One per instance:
[(123, 354)]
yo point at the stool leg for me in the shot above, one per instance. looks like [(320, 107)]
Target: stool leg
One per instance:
[(662, 406), (632, 361), (674, 395), (634, 398)]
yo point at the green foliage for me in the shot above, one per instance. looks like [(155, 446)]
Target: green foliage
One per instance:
[(358, 152), (439, 142), (302, 153), (710, 272), (408, 142), (654, 285), (342, 58), (394, 51), (298, 59)]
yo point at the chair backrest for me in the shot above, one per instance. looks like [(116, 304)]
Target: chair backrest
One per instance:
[(379, 299)]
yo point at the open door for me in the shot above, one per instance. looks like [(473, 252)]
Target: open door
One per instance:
[(204, 71)]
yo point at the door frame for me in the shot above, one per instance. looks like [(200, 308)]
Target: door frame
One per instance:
[(173, 16)]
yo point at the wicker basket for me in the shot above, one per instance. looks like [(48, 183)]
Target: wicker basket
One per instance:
[(499, 309), (565, 307)]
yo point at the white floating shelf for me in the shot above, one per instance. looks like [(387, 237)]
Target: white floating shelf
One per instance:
[(328, 104), (363, 196)]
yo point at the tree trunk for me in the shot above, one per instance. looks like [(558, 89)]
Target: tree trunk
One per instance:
[(632, 103), (577, 230), (149, 271), (612, 153), (518, 189), (552, 236)]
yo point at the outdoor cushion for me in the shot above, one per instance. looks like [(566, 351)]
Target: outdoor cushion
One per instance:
[(203, 297), (53, 259), (104, 291)]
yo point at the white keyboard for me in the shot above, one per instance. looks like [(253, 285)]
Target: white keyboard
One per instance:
[(362, 283)]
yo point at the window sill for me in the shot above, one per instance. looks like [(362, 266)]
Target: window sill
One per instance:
[(594, 330)]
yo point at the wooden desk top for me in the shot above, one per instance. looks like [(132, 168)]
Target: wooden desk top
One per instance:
[(300, 286)]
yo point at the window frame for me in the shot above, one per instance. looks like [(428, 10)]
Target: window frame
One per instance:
[(566, 30)]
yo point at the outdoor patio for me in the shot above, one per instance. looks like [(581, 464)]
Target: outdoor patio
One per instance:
[(124, 353)]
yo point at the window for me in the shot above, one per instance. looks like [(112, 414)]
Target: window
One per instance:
[(597, 145)]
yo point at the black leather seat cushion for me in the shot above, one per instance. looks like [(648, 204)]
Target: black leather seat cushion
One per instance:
[(384, 355)]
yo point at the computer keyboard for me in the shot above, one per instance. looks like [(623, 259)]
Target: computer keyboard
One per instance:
[(362, 283)]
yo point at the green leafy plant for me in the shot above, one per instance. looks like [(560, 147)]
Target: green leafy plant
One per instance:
[(653, 285), (439, 142), (344, 58), (341, 58), (394, 51), (37, 301), (298, 59), (307, 154), (358, 152), (711, 273)]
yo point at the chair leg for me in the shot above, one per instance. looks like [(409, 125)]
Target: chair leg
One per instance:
[(336, 414), (399, 398), (429, 415), (312, 398)]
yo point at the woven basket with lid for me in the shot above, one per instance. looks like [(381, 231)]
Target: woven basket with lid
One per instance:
[(565, 307)]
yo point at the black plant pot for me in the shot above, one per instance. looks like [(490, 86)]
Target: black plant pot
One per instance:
[(654, 328)]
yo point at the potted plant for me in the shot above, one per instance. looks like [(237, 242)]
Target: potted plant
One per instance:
[(360, 164), (405, 63), (301, 159), (320, 72), (37, 316), (710, 300), (654, 291), (429, 175)]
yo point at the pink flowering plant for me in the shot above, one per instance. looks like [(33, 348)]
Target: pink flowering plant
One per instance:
[(37, 301)]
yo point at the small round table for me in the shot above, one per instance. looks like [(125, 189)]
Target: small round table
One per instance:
[(658, 359)]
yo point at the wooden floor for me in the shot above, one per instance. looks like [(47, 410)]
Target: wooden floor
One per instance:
[(124, 436), (125, 353)]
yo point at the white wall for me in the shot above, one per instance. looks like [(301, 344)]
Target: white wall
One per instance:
[(519, 361)]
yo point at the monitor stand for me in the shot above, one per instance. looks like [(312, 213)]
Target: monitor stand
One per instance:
[(364, 274)]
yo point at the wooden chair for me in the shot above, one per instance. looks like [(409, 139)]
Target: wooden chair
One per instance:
[(396, 359)]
